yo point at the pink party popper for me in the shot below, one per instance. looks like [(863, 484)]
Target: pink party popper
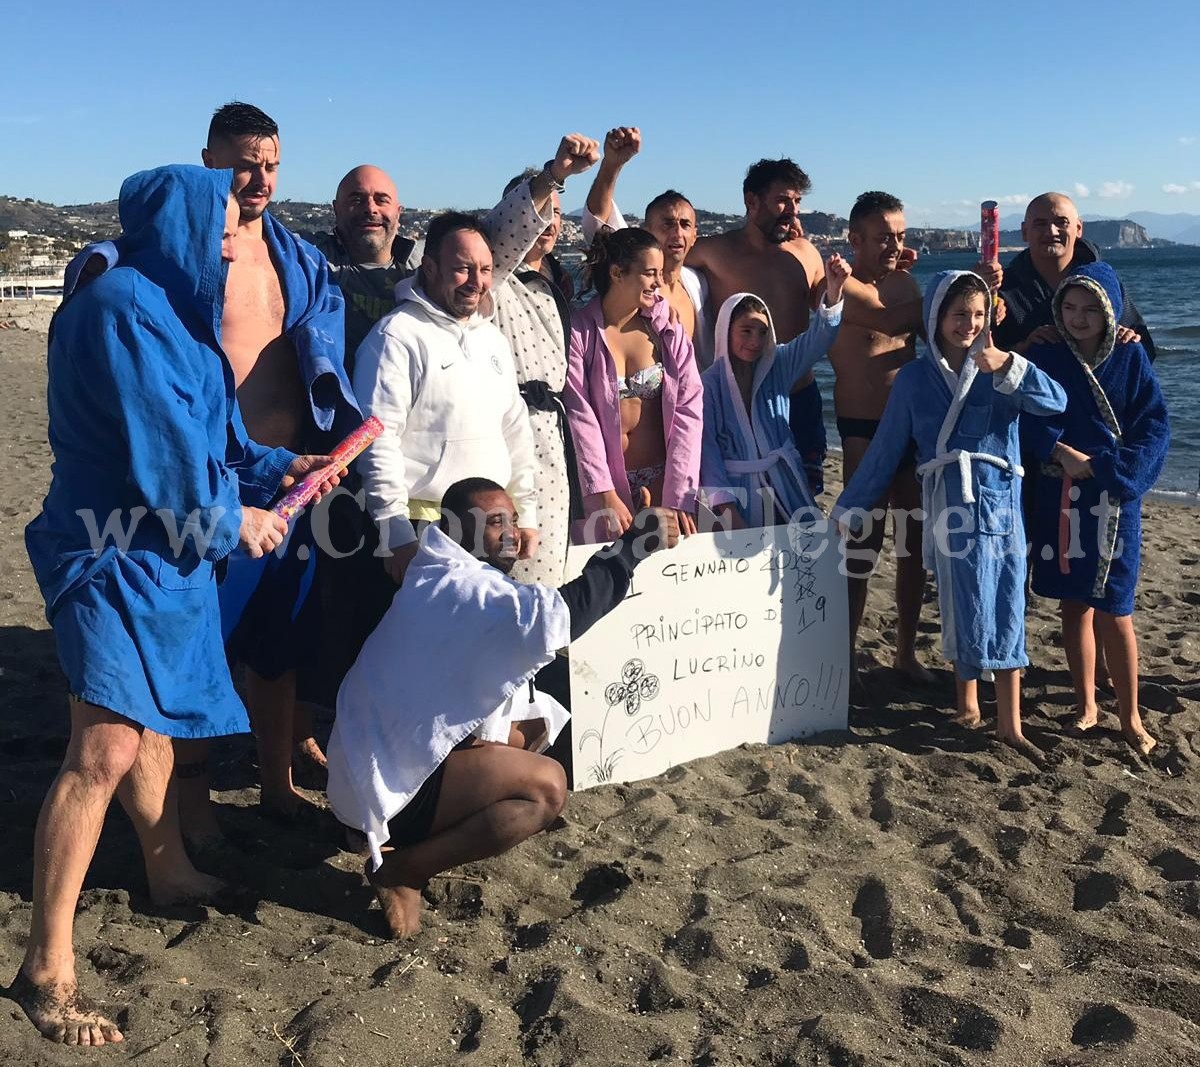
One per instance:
[(989, 231), (302, 493)]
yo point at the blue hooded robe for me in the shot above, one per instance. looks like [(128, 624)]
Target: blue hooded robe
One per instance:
[(965, 429), (1091, 550), (746, 454), (151, 467)]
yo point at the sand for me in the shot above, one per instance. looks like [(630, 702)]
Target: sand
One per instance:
[(907, 893)]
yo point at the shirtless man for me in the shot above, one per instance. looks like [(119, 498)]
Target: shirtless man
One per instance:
[(866, 361), (768, 258), (272, 398), (671, 217)]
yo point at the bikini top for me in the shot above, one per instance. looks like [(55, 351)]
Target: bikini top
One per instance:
[(644, 384)]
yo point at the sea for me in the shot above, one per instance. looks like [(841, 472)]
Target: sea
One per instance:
[(1164, 283)]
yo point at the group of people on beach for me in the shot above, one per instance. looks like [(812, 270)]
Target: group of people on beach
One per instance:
[(208, 358)]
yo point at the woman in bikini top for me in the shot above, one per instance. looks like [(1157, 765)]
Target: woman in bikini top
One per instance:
[(626, 270)]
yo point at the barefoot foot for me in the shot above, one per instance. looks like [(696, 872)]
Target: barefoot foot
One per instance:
[(1084, 722), (61, 1014), (186, 887), (401, 905), (1026, 747), (1140, 741), (910, 668), (970, 718)]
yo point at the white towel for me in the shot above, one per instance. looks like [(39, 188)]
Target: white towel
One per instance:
[(455, 650)]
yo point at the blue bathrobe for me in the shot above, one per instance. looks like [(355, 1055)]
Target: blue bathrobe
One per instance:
[(965, 429), (1115, 414), (151, 467), (746, 455)]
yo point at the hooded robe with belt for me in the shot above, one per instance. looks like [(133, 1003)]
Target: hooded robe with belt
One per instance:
[(1091, 550), (748, 453), (965, 429), (151, 467)]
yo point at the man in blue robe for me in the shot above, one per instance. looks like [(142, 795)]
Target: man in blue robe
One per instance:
[(154, 483)]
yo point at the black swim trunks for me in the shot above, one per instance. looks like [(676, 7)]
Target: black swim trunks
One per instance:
[(866, 429), (412, 823)]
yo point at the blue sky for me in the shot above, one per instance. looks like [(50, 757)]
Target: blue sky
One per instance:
[(920, 99)]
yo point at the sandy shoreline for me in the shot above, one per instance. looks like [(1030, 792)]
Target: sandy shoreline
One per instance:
[(904, 894)]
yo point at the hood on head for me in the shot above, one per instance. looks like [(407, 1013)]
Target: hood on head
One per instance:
[(724, 320), (935, 297), (1100, 280), (173, 221)]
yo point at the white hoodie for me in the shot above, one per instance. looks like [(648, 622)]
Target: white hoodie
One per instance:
[(446, 393)]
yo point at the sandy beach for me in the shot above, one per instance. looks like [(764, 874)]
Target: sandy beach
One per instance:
[(907, 893)]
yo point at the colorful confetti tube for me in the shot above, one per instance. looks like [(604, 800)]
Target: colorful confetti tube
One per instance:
[(989, 231), (302, 493)]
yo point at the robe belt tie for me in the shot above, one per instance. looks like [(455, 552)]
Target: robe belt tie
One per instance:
[(930, 474), (790, 456)]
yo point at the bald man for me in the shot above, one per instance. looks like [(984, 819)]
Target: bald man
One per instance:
[(1053, 234), (367, 255)]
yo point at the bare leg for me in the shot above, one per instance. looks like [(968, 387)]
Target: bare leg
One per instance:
[(1080, 646), (967, 695), (862, 553), (1102, 680), (272, 707), (907, 532), (193, 788), (493, 797), (1121, 642), (102, 749), (1008, 715), (307, 757), (149, 800)]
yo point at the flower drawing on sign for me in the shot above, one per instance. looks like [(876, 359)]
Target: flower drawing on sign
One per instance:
[(634, 687)]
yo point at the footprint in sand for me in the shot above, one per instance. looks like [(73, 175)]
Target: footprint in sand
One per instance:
[(950, 1020), (1095, 891), (873, 908), (1176, 866), (1103, 1024), (1113, 824)]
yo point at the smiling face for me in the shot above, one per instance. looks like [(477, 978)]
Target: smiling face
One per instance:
[(776, 213), (457, 280), (877, 242), (748, 334), (367, 214), (255, 163), (960, 322), (674, 224), (639, 284), (1051, 228), (490, 532), (1083, 316)]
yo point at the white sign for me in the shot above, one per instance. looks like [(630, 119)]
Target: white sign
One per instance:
[(726, 638)]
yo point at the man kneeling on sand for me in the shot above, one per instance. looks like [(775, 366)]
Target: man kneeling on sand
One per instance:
[(436, 747)]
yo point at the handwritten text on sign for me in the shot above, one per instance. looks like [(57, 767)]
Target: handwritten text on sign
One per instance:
[(725, 639)]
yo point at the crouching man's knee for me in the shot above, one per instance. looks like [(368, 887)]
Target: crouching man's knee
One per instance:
[(550, 790)]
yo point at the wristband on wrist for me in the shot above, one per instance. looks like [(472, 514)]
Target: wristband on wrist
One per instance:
[(555, 184)]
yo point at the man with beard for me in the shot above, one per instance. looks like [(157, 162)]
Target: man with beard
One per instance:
[(767, 258), (367, 254), (671, 217)]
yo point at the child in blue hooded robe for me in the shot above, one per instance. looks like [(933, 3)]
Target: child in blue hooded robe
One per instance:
[(1099, 458), (960, 405), (750, 468)]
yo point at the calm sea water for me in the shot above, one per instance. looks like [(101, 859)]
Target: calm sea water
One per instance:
[(1165, 285)]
